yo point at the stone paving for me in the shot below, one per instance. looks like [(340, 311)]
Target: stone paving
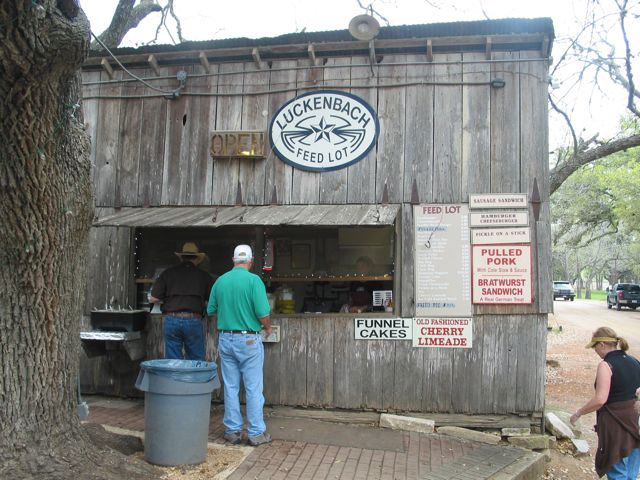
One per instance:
[(416, 456)]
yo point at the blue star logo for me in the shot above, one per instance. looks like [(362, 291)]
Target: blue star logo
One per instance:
[(323, 130)]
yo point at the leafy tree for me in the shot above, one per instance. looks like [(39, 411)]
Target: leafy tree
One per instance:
[(595, 220)]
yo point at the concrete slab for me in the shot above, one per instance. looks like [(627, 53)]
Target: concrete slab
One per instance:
[(409, 424), (315, 431)]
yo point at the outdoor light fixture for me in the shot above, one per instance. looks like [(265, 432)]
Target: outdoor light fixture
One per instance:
[(497, 83), (554, 83), (364, 27)]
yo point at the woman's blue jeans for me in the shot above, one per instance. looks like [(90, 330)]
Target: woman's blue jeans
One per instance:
[(242, 359), (179, 332), (627, 468)]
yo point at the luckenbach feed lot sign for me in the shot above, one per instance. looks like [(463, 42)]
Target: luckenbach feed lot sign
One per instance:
[(324, 130)]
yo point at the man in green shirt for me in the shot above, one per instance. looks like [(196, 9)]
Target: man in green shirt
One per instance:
[(239, 300)]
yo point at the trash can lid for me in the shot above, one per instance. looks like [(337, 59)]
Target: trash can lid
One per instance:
[(189, 371), (178, 365)]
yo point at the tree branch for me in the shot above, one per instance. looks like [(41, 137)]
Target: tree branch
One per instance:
[(125, 18), (562, 171), (569, 124), (631, 89)]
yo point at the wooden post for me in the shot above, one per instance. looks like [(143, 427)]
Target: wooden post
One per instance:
[(429, 50), (107, 67), (154, 64), (204, 61), (255, 53)]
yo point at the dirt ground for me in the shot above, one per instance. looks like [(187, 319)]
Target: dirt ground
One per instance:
[(220, 462)]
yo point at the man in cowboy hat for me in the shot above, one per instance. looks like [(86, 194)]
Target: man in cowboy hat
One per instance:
[(184, 291)]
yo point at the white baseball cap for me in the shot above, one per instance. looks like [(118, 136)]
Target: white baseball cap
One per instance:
[(242, 253)]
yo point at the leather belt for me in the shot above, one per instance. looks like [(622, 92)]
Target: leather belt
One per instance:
[(239, 331), (184, 314)]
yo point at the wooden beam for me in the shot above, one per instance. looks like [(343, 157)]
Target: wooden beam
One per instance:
[(487, 48), (312, 54), (107, 67), (444, 44), (429, 50), (255, 53), (154, 64), (204, 61), (544, 49)]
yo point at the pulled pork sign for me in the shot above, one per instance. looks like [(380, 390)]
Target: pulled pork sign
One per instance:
[(502, 274), (324, 130)]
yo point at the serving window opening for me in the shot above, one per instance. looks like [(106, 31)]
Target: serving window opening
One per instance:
[(306, 270)]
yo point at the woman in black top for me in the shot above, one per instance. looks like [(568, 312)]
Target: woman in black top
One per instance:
[(617, 379)]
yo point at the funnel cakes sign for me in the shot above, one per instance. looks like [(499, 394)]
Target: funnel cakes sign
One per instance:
[(324, 130)]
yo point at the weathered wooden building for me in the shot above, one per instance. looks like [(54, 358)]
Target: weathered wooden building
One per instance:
[(461, 110)]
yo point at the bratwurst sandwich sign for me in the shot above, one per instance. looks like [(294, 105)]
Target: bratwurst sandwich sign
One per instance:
[(502, 274), (324, 130)]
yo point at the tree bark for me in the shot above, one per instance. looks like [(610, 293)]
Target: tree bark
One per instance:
[(46, 207)]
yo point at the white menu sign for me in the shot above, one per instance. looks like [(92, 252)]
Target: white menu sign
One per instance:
[(443, 332), (500, 235), (442, 261), (502, 274), (499, 219), (498, 200)]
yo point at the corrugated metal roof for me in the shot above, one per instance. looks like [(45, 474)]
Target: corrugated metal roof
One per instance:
[(310, 215), (503, 26)]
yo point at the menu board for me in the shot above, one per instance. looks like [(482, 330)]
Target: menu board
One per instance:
[(442, 261)]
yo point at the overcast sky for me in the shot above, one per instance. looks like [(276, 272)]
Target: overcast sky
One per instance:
[(215, 19)]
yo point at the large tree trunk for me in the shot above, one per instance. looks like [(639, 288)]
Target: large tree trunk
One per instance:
[(46, 206)]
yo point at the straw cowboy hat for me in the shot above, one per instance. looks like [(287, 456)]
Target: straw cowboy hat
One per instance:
[(191, 249)]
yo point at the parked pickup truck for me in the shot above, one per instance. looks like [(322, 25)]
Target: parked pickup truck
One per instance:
[(563, 289), (624, 295)]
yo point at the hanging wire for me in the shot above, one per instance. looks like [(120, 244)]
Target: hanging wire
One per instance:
[(172, 93)]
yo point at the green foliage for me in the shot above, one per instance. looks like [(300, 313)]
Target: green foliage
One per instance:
[(596, 219), (598, 295)]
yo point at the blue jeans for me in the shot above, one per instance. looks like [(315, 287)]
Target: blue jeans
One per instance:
[(627, 468), (242, 358), (187, 332)]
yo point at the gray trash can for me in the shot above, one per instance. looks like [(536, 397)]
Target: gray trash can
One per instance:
[(177, 401)]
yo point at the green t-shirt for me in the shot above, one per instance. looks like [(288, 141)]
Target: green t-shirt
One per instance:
[(239, 298)]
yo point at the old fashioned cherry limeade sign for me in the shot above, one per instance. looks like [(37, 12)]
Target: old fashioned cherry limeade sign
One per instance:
[(324, 130)]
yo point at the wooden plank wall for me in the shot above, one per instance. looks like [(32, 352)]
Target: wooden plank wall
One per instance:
[(323, 365), (446, 138)]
